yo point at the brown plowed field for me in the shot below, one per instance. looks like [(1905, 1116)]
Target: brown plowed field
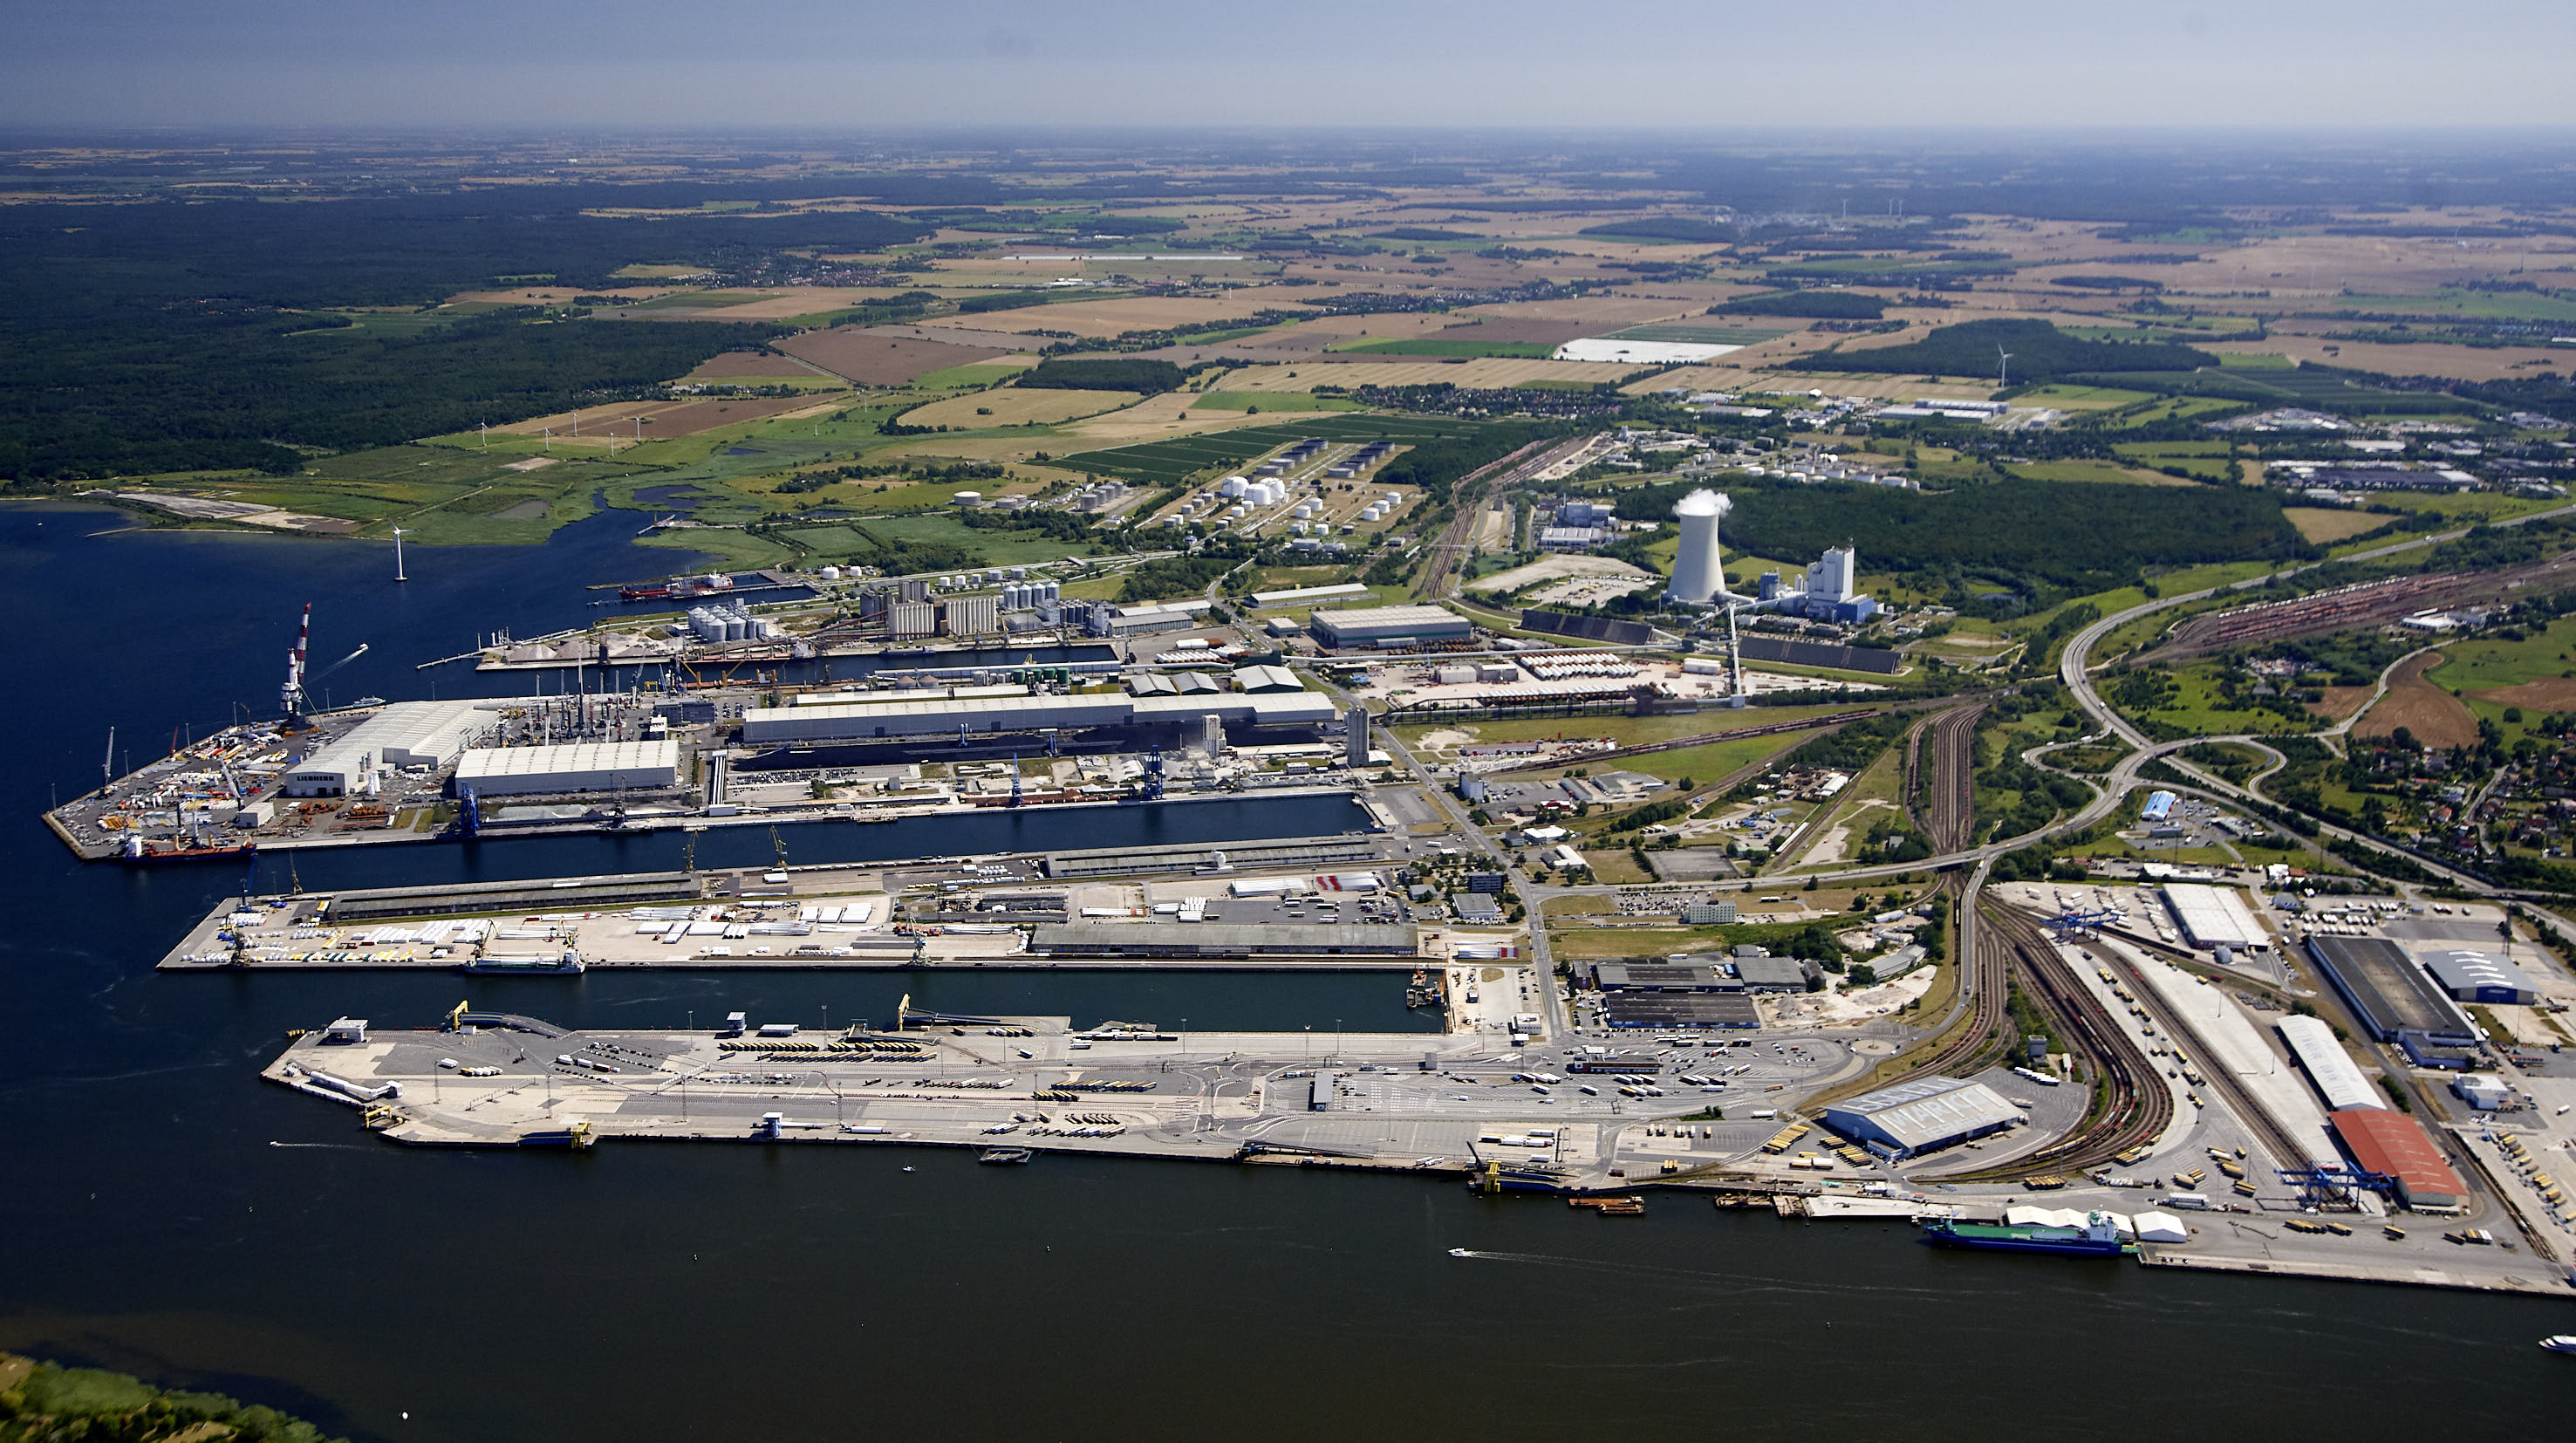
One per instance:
[(2437, 718), (663, 421), (1517, 328), (2549, 693), (749, 363), (2340, 702), (873, 359)]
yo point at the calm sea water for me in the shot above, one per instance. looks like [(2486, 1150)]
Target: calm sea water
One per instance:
[(167, 1213)]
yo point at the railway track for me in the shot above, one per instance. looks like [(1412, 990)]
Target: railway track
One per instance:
[(1951, 735), (1448, 553), (2138, 1107), (2267, 1130)]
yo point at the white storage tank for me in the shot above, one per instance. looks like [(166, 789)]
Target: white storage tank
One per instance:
[(831, 573), (1054, 592), (1233, 486), (967, 498), (1304, 510)]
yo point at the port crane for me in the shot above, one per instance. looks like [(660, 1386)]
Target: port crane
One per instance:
[(291, 697)]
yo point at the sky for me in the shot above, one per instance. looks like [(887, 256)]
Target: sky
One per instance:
[(2372, 65)]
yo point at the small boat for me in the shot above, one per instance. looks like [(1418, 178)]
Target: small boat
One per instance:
[(1463, 1253), (367, 700), (2561, 1343), (1001, 1156)]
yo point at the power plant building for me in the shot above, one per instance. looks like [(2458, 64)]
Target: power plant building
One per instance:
[(1385, 626), (571, 767), (863, 721)]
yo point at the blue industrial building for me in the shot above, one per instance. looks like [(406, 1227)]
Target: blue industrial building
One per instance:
[(2159, 806)]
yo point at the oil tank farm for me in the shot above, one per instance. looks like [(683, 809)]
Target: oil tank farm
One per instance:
[(2392, 996), (2335, 1075), (1922, 1116), (2385, 1142)]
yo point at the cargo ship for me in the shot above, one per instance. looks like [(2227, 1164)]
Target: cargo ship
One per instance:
[(710, 584), (2098, 1238), (138, 850)]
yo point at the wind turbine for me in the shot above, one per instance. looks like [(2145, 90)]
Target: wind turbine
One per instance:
[(398, 562), (2003, 367)]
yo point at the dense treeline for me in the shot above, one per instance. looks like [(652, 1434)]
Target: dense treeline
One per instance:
[(1826, 305), (95, 1406), (165, 392), (1665, 228), (159, 336), (2073, 537), (2039, 352), (1067, 374)]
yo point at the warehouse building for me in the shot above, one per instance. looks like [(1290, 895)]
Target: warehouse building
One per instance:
[(2395, 999), (2337, 1077), (1693, 1011), (2478, 977), (1680, 975), (401, 734), (2381, 1141), (1299, 854), (2214, 916), (970, 615), (1266, 677), (1923, 1116), (573, 767), (1222, 939), (1389, 626), (862, 721)]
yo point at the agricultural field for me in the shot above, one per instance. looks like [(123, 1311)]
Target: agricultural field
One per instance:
[(858, 537), (872, 358), (1691, 333), (1485, 373), (2094, 471), (2536, 674), (1165, 463), (1118, 317), (1270, 401), (1016, 406), (659, 420), (973, 377), (2432, 714), (1444, 347)]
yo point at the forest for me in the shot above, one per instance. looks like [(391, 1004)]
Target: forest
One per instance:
[(165, 336), (2069, 538), (1062, 374), (1827, 305), (2039, 352)]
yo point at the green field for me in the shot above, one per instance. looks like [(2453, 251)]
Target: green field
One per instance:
[(995, 547), (2085, 398), (438, 495), (2255, 361), (2484, 305), (698, 300), (1453, 350), (974, 377), (1689, 334), (1167, 462), (1268, 401)]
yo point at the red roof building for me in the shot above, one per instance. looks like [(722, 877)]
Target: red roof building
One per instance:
[(2395, 1144)]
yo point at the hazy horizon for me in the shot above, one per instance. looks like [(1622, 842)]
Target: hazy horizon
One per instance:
[(2364, 66)]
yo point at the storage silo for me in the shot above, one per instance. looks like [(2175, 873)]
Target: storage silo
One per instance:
[(1697, 570), (1053, 590)]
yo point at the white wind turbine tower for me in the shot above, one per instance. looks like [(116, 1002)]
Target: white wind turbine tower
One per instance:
[(398, 561), (2003, 367)]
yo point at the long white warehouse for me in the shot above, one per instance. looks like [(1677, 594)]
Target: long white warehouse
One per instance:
[(572, 767), (400, 734), (2331, 1068), (2214, 916), (864, 721)]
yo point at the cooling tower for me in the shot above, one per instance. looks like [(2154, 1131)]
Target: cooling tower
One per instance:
[(1697, 572)]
